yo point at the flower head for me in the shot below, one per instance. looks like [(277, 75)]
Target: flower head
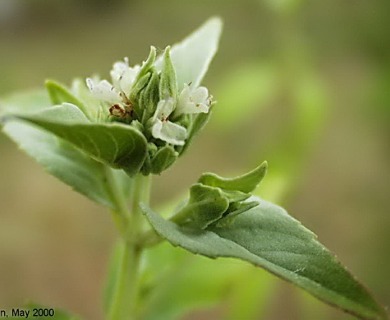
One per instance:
[(147, 98)]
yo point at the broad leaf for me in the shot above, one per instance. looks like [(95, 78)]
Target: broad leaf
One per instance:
[(62, 160), (268, 237), (244, 183), (120, 146), (58, 157), (192, 56)]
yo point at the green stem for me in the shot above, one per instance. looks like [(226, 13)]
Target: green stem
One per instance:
[(124, 297)]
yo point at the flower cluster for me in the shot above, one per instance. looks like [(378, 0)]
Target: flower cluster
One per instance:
[(150, 99)]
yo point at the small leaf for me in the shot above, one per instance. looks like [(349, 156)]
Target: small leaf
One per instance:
[(59, 94), (205, 206), (163, 159), (193, 55), (120, 146), (149, 97), (268, 237), (245, 183), (168, 84), (146, 65)]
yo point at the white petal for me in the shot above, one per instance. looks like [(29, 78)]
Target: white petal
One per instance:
[(123, 76), (103, 90), (169, 132), (200, 95), (164, 109)]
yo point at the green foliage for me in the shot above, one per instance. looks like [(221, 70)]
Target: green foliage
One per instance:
[(59, 94), (268, 237), (191, 57), (57, 156), (82, 145), (168, 82), (245, 183), (117, 145)]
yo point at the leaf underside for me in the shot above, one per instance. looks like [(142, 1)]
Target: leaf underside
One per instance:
[(59, 157), (268, 237)]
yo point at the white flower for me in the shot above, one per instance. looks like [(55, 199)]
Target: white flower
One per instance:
[(103, 90), (193, 101), (124, 76), (164, 129), (118, 92)]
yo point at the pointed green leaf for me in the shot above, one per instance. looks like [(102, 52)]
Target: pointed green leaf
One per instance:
[(168, 85), (192, 56), (146, 65), (245, 183), (268, 237), (149, 97), (120, 146)]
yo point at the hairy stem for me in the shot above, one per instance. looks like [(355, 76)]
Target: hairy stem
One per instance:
[(123, 299)]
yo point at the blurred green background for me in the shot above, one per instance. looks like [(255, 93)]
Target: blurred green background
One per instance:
[(302, 84)]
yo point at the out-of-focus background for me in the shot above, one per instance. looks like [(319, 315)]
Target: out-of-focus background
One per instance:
[(302, 84)]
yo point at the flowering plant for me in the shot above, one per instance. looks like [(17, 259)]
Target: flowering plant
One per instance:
[(106, 140)]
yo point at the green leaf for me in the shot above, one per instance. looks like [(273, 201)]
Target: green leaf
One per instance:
[(146, 65), (62, 160), (192, 56), (245, 183), (175, 283), (205, 206), (120, 146), (163, 159), (168, 84), (268, 237), (59, 94), (58, 157), (149, 97)]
